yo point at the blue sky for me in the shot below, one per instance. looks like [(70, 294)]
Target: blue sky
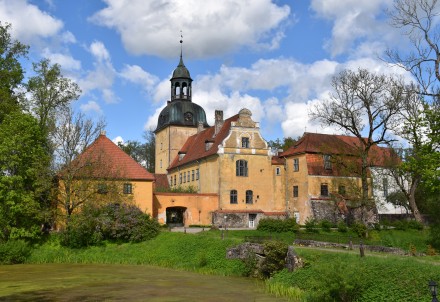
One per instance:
[(276, 58)]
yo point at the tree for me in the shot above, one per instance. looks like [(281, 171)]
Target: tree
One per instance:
[(150, 150), (11, 72), (74, 133), (364, 105), (24, 176), (419, 19), (49, 93), (283, 144)]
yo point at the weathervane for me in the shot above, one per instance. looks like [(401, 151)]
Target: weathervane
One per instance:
[(181, 41)]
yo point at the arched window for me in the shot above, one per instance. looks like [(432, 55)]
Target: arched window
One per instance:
[(233, 196), (184, 89), (249, 196), (241, 168), (177, 89)]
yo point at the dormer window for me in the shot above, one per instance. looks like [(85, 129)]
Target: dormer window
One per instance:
[(181, 155), (245, 142), (208, 144)]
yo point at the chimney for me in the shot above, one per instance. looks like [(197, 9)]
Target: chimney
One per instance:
[(200, 127), (218, 121)]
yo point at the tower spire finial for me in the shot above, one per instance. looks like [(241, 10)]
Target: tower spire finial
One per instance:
[(181, 42)]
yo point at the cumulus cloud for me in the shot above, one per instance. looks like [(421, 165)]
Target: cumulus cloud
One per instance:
[(66, 61), (91, 107), (29, 23), (135, 74), (101, 78), (118, 139), (212, 27), (354, 21)]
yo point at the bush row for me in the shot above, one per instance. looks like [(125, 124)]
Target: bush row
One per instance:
[(278, 225)]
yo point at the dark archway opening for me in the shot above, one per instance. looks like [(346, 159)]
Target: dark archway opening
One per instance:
[(175, 216)]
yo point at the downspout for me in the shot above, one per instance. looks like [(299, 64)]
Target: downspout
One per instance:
[(286, 190)]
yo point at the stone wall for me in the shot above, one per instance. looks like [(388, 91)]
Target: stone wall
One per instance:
[(327, 210)]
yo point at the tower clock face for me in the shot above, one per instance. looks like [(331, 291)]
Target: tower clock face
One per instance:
[(188, 117)]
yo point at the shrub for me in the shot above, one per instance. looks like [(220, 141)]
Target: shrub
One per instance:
[(342, 227), (275, 258), (415, 225), (360, 229), (278, 225), (14, 251), (326, 225), (311, 226), (113, 222)]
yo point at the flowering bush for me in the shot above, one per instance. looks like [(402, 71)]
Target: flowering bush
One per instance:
[(112, 222)]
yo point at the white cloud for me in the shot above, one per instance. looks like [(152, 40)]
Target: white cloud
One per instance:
[(354, 21), (29, 23), (66, 61), (91, 107), (102, 77), (211, 27), (99, 51), (136, 75), (117, 140)]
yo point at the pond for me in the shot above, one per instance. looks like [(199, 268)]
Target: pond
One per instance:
[(87, 282)]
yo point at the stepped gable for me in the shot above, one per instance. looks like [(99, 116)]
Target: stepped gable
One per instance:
[(195, 146), (104, 159)]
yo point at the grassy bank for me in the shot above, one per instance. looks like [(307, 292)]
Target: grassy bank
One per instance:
[(327, 276), (204, 254)]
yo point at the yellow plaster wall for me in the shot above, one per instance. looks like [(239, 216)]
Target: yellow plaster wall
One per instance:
[(199, 207), (301, 204), (143, 195), (168, 143)]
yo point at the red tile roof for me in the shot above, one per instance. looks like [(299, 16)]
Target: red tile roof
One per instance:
[(107, 160), (194, 147), (348, 163), (337, 144), (161, 181)]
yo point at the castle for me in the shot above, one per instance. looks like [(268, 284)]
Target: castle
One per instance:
[(231, 176)]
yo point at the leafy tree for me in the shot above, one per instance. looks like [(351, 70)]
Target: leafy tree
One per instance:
[(419, 19), (24, 165), (11, 71), (364, 105), (49, 92), (142, 153), (283, 144)]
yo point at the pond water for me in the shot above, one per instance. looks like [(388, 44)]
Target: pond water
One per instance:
[(76, 282)]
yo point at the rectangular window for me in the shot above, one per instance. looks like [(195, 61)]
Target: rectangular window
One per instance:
[(295, 191), (324, 190), (327, 161), (233, 196), (174, 179), (102, 189), (341, 190), (128, 188), (180, 178), (296, 164), (192, 175), (385, 186), (184, 177), (245, 142), (197, 174), (249, 197), (241, 168), (277, 171)]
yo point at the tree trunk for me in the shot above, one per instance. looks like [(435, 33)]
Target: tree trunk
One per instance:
[(412, 200)]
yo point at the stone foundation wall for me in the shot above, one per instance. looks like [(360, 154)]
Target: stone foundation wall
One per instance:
[(327, 210)]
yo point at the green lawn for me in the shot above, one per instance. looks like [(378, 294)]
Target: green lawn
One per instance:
[(333, 273)]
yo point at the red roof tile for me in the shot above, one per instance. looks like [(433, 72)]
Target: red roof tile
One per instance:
[(107, 160), (162, 181), (194, 147)]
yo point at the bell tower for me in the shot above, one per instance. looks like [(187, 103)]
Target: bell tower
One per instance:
[(179, 119)]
